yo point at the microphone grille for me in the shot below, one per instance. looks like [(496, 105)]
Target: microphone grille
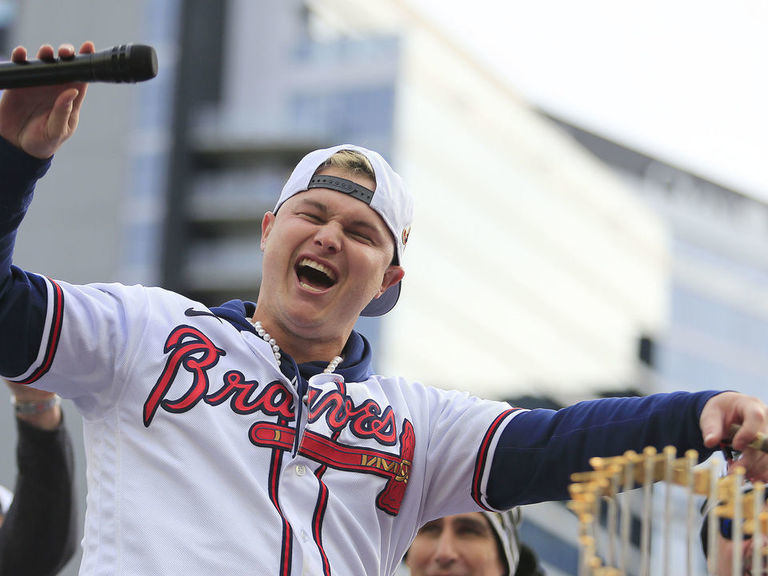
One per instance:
[(137, 62)]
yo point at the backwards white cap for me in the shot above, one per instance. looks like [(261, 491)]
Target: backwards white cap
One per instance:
[(390, 200), (6, 497)]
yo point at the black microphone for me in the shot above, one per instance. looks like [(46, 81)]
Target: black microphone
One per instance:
[(126, 63)]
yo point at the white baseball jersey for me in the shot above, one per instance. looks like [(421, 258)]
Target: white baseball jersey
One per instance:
[(203, 459)]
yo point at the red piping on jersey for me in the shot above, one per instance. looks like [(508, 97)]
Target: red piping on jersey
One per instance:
[(482, 458), (287, 545), (53, 336), (317, 519)]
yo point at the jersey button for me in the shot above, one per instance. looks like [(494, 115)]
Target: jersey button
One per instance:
[(301, 470)]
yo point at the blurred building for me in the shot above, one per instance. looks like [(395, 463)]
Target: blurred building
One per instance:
[(541, 262), (716, 334), (523, 258)]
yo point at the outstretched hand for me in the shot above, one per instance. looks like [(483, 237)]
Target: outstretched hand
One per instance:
[(40, 119), (723, 411)]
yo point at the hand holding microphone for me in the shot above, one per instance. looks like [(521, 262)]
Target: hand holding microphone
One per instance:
[(41, 115)]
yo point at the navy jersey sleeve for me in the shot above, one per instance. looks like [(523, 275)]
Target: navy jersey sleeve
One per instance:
[(539, 449), (23, 296)]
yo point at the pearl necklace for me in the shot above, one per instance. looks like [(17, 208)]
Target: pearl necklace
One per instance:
[(264, 335)]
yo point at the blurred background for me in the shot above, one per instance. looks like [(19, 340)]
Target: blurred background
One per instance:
[(590, 182)]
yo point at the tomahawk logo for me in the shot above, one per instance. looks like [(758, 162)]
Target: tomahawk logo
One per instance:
[(366, 421)]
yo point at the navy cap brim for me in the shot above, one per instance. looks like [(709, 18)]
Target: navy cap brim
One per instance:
[(384, 303)]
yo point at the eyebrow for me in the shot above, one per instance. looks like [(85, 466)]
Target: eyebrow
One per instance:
[(314, 203), (480, 525)]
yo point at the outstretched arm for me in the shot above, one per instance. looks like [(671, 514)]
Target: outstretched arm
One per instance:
[(539, 449)]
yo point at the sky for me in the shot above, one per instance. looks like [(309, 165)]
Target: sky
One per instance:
[(682, 80)]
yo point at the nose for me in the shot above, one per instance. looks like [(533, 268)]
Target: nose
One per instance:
[(446, 552), (328, 237)]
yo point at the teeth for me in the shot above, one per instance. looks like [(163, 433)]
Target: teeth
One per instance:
[(308, 287), (317, 266)]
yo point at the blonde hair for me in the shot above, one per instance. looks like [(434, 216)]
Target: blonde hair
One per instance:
[(355, 164), (352, 162)]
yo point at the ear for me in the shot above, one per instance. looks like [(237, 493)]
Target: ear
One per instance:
[(392, 276), (266, 227)]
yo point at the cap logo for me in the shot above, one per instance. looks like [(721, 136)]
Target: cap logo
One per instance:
[(406, 233), (341, 185)]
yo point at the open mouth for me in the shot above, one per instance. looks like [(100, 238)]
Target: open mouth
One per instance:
[(314, 276)]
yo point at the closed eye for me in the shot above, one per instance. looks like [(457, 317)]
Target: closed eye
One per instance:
[(362, 236), (310, 217)]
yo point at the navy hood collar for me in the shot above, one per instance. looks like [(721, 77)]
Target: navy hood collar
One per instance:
[(357, 364)]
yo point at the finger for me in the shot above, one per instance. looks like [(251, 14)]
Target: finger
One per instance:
[(66, 51), (45, 52), (712, 427), (81, 88), (746, 433), (74, 116), (87, 48), (59, 120), (19, 54), (753, 423), (760, 442)]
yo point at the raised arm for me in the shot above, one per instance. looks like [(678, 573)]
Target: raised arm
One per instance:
[(34, 123)]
